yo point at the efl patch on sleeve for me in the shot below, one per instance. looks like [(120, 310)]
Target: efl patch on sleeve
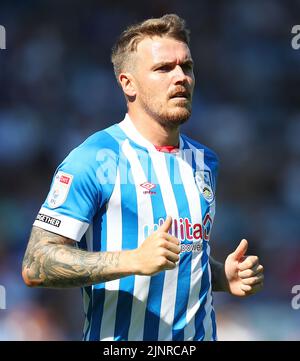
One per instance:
[(60, 189)]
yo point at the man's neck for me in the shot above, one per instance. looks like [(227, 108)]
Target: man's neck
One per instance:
[(154, 132)]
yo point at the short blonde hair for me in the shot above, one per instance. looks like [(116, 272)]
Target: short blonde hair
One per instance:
[(169, 25)]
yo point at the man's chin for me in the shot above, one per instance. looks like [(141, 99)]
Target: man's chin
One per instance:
[(177, 117)]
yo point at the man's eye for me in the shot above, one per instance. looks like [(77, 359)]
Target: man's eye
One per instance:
[(164, 68), (187, 67)]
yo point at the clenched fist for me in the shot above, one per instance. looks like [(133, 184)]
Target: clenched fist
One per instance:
[(244, 274), (159, 252)]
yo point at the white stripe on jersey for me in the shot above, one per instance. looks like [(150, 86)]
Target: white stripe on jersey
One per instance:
[(171, 276), (145, 215), (186, 172), (114, 243), (129, 129)]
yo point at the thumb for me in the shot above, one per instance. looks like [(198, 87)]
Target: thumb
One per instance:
[(240, 250), (166, 225)]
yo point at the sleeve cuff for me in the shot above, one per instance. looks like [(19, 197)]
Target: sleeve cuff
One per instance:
[(60, 224)]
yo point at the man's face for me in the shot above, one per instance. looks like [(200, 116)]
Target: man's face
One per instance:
[(164, 80)]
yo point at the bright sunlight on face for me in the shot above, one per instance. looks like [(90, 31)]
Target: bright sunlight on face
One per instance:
[(165, 79)]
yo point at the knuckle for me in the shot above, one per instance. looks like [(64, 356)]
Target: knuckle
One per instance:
[(246, 288), (162, 243), (163, 252), (160, 234), (250, 263), (248, 281), (248, 273), (162, 262)]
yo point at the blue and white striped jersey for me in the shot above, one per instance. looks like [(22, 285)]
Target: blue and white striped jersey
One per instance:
[(109, 194)]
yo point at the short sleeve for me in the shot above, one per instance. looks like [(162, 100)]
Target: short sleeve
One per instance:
[(74, 196)]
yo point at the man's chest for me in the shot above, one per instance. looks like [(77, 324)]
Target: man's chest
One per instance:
[(148, 193)]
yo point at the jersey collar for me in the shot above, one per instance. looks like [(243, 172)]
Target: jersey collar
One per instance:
[(130, 130)]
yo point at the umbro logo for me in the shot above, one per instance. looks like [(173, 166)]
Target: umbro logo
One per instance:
[(148, 186)]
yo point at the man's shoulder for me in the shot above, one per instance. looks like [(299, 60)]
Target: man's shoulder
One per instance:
[(108, 138), (105, 142), (208, 152)]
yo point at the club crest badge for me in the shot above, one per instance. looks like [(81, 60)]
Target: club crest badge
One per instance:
[(60, 189), (204, 185)]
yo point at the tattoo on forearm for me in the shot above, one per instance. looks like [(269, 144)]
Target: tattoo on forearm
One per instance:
[(53, 261)]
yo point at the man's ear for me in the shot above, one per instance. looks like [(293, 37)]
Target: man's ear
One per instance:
[(128, 84)]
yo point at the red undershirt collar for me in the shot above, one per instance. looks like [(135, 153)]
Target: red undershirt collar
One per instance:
[(167, 148)]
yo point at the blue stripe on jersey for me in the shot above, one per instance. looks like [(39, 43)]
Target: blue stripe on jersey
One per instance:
[(97, 305), (152, 316), (152, 319), (211, 161), (213, 320), (129, 241), (184, 273), (200, 315), (98, 290)]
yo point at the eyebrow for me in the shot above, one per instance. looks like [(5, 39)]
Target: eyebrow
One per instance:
[(163, 63)]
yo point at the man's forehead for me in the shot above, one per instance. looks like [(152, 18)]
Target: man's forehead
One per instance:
[(159, 49)]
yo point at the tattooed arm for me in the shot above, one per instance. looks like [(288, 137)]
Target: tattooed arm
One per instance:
[(52, 260)]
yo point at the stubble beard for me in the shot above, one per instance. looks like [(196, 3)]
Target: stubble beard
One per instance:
[(167, 118)]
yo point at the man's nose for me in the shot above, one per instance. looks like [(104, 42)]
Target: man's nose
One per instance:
[(179, 75)]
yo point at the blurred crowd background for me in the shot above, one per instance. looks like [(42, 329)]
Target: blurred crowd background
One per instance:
[(57, 87)]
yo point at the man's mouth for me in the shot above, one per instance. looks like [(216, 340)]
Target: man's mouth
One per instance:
[(181, 95)]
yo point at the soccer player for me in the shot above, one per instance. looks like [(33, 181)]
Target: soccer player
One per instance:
[(129, 213)]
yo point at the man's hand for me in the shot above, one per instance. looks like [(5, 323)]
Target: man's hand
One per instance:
[(244, 274), (54, 261), (159, 252)]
